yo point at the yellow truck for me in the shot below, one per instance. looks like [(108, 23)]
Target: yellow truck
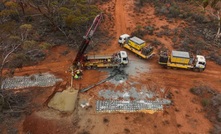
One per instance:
[(182, 59), (105, 61), (136, 45)]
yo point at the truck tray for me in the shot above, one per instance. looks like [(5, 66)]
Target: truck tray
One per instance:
[(91, 57)]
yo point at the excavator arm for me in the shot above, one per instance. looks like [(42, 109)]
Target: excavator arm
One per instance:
[(86, 40)]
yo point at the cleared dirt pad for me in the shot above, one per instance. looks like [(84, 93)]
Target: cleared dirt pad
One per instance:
[(184, 116), (48, 122)]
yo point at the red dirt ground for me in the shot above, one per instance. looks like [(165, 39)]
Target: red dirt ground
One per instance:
[(184, 116)]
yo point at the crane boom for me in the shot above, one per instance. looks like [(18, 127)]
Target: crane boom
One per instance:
[(86, 40)]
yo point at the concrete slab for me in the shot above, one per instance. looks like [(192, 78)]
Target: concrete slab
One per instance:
[(64, 101)]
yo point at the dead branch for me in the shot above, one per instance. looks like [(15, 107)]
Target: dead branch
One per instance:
[(219, 25), (4, 61), (217, 16)]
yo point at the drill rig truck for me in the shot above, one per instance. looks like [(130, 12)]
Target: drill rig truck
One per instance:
[(82, 61), (136, 45), (98, 61), (181, 59)]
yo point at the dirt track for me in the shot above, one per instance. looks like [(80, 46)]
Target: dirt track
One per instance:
[(120, 16), (185, 116)]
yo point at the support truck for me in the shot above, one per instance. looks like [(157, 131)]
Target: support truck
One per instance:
[(105, 61), (136, 45), (182, 59)]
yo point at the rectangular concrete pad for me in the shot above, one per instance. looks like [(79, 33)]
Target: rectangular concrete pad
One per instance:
[(64, 101)]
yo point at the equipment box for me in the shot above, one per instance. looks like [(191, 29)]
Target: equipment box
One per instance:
[(180, 57), (136, 43)]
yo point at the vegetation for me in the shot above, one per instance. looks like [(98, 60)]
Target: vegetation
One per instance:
[(205, 102), (172, 9), (199, 32), (28, 27), (214, 10), (211, 102)]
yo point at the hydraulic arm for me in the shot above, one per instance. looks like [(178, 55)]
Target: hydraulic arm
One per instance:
[(86, 40)]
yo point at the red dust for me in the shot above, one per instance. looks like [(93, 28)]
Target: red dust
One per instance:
[(184, 116)]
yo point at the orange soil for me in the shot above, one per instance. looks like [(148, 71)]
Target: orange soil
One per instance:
[(184, 116)]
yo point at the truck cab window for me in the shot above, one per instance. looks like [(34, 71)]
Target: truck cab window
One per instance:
[(202, 63)]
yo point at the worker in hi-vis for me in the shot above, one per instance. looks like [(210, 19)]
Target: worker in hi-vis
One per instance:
[(77, 74), (74, 75)]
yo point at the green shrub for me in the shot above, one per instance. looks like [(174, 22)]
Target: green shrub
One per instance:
[(199, 44), (174, 39), (155, 43), (45, 45), (139, 32), (198, 90), (174, 11), (150, 29), (18, 61), (192, 90), (185, 44), (140, 3), (182, 34), (30, 44), (198, 17), (205, 102), (29, 18)]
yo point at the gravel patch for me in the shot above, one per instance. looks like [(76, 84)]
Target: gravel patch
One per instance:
[(35, 80), (136, 66), (127, 94)]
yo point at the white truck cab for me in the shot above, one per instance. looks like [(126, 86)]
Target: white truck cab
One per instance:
[(123, 38), (123, 57), (200, 62)]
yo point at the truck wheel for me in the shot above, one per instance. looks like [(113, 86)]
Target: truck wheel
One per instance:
[(116, 67), (123, 65), (168, 67), (88, 67), (174, 68), (200, 70), (195, 69), (94, 67)]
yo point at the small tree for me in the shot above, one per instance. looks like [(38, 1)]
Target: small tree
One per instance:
[(214, 8), (11, 44), (25, 29), (68, 17)]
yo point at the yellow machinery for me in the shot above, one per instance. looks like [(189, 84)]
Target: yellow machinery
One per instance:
[(181, 59), (139, 53), (99, 61), (136, 45)]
